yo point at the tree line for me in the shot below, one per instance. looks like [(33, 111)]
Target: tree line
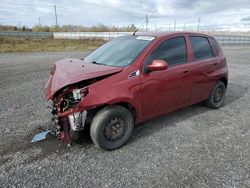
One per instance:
[(69, 28)]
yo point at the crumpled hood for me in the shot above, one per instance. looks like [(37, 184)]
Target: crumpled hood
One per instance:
[(70, 71)]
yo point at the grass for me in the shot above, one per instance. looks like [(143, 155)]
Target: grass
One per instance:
[(36, 45)]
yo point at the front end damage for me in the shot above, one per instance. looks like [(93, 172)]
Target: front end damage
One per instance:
[(67, 120), (66, 89)]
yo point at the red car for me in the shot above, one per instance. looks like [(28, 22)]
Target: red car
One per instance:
[(132, 79)]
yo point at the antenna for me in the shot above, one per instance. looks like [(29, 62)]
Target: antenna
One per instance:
[(146, 21)]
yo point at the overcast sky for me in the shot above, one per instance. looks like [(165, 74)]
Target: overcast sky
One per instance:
[(215, 14)]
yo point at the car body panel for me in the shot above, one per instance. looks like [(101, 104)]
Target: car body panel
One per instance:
[(70, 71), (164, 90)]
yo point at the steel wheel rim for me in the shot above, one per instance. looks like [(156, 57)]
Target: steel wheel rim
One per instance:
[(114, 129), (218, 95)]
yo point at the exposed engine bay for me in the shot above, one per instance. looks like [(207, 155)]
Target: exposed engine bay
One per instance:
[(67, 127)]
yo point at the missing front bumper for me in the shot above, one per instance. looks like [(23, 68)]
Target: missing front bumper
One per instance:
[(77, 120)]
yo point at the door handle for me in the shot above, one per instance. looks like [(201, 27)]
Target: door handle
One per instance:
[(216, 63), (185, 72)]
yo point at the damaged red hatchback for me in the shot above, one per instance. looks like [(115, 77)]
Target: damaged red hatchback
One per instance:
[(132, 79)]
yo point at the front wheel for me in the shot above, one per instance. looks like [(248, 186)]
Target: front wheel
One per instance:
[(111, 127), (217, 96)]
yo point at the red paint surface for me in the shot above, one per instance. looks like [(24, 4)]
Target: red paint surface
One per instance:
[(70, 71)]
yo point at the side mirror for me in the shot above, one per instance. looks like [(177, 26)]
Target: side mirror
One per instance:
[(157, 65)]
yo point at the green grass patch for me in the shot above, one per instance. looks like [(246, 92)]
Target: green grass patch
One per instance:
[(36, 45)]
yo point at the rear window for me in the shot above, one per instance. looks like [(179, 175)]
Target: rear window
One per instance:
[(201, 48), (215, 45)]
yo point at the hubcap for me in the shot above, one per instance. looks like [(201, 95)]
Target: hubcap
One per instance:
[(218, 95), (114, 129)]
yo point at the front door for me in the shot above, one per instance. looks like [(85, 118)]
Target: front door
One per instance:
[(166, 90)]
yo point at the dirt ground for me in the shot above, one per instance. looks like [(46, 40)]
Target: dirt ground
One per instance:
[(194, 147)]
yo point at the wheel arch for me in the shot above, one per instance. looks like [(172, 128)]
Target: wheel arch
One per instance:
[(225, 81), (126, 105)]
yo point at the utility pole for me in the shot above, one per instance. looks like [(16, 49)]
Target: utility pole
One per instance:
[(184, 27), (147, 20), (40, 25), (56, 15), (169, 27), (174, 25), (198, 26)]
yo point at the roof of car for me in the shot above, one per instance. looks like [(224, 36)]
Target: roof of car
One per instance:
[(168, 33)]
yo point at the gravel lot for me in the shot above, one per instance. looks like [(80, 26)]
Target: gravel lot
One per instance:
[(194, 147)]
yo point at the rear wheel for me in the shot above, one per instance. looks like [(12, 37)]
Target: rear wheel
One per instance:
[(111, 127), (217, 96)]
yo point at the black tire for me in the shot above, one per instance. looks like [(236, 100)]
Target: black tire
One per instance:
[(111, 127), (217, 96)]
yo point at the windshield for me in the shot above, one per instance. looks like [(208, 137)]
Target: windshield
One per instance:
[(119, 52)]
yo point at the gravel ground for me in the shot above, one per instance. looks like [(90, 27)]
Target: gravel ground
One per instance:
[(194, 147)]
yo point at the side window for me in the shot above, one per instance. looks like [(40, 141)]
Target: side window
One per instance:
[(173, 51), (215, 45), (201, 48)]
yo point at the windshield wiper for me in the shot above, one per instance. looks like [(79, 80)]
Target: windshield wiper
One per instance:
[(94, 62)]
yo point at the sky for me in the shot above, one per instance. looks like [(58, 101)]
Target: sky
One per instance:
[(233, 15)]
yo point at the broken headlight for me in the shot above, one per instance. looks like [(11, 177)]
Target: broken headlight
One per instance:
[(79, 94), (71, 99)]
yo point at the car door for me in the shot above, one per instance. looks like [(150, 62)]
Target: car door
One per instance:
[(166, 90), (204, 63)]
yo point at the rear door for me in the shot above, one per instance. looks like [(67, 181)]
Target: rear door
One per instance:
[(166, 90), (204, 63)]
